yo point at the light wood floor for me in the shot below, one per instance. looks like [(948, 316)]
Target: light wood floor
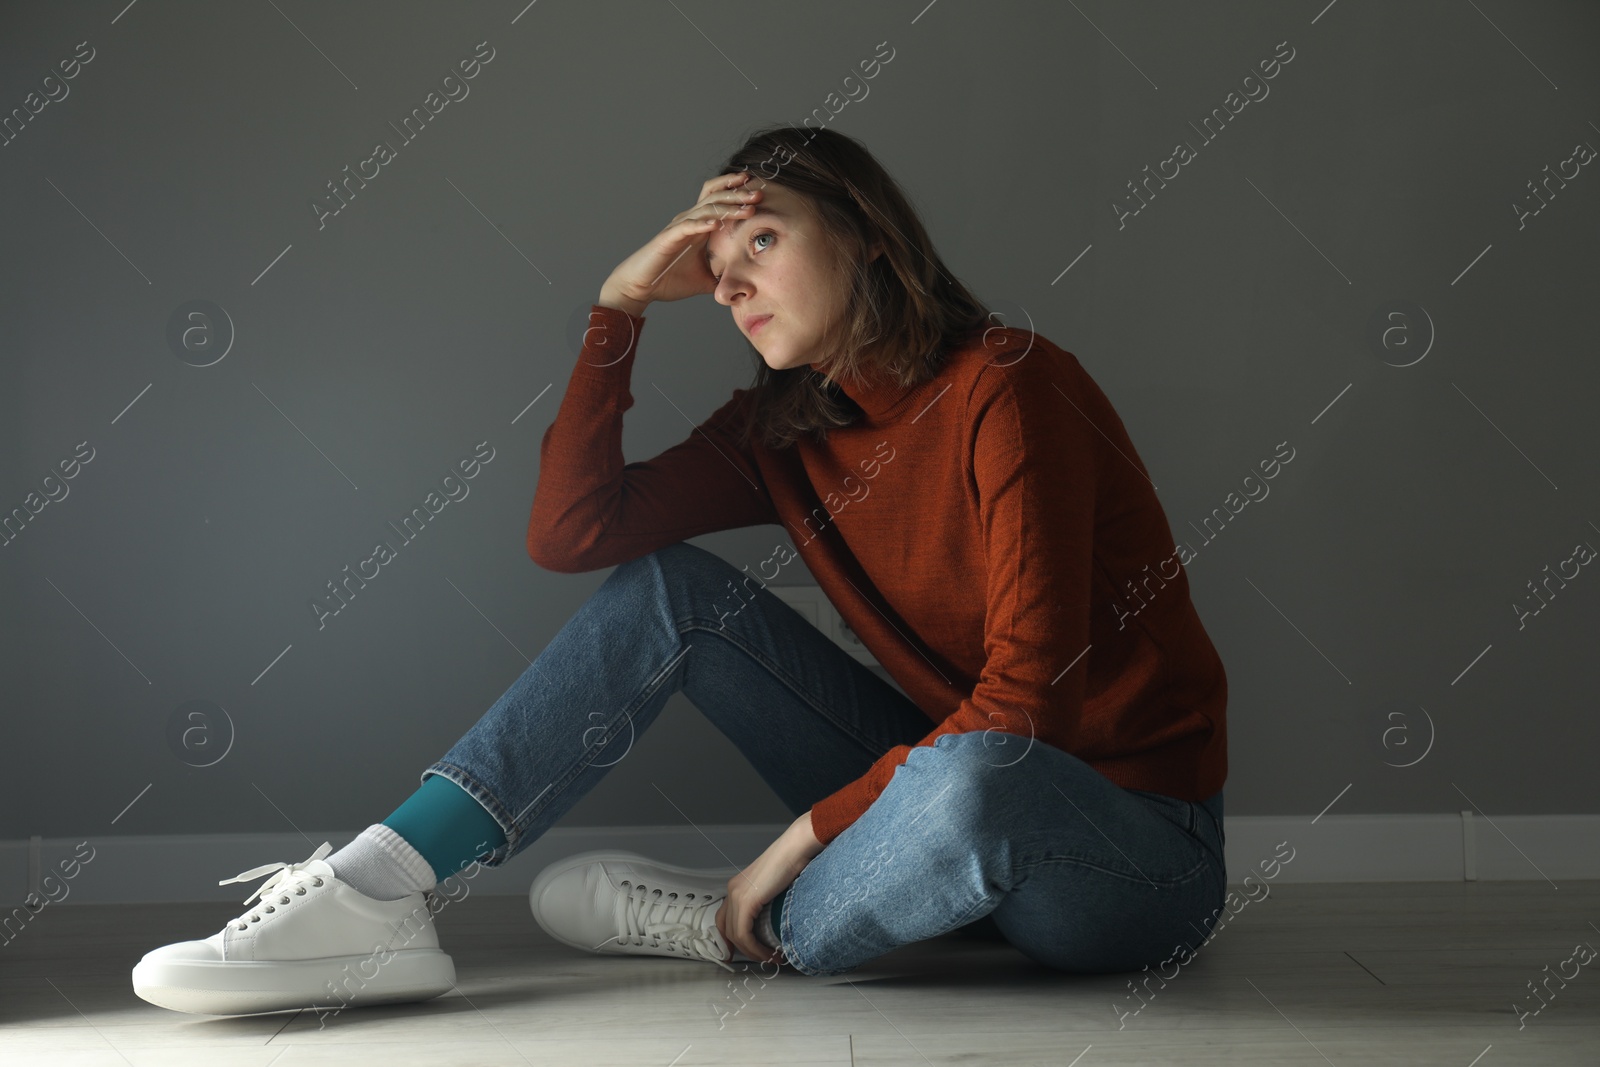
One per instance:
[(1408, 974)]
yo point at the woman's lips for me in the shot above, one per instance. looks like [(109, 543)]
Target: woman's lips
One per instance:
[(758, 322)]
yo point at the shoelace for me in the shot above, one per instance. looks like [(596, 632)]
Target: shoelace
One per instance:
[(286, 877), (644, 912)]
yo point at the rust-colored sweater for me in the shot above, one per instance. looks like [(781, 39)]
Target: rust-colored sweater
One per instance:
[(991, 536)]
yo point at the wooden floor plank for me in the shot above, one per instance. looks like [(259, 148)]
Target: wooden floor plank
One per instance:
[(1415, 973)]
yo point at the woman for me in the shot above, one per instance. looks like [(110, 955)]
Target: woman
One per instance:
[(966, 497)]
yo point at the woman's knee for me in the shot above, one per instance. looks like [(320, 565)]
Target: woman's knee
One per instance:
[(667, 573), (968, 770), (681, 566), (682, 557), (956, 794), (701, 584)]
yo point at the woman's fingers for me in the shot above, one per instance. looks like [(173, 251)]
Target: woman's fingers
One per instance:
[(736, 934), (722, 204), (736, 918), (724, 181)]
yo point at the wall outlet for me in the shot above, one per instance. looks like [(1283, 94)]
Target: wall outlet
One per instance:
[(813, 603)]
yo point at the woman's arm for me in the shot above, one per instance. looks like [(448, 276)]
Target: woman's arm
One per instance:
[(591, 509)]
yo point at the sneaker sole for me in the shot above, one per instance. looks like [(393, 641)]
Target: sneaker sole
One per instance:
[(249, 987), (580, 859)]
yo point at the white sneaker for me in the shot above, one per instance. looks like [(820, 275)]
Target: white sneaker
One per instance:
[(311, 941), (625, 904)]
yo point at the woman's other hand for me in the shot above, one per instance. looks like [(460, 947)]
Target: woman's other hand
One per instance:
[(752, 888)]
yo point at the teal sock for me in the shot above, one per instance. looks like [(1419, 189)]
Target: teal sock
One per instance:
[(777, 913), (445, 825)]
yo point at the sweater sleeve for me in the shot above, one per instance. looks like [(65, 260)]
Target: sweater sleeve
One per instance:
[(1033, 462), (592, 510)]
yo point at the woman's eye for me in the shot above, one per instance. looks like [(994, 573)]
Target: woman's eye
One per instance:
[(753, 238)]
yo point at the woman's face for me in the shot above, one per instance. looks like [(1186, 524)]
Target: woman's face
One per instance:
[(774, 263)]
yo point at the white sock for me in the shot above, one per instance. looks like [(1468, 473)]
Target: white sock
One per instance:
[(381, 864)]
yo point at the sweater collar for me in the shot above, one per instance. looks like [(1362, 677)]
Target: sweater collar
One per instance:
[(883, 399), (879, 395)]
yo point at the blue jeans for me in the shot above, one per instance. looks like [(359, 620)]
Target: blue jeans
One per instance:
[(1078, 873)]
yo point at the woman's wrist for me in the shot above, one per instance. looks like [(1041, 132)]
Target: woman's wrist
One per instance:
[(807, 837), (621, 303)]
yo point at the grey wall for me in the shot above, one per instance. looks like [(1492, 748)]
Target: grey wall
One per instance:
[(1232, 313)]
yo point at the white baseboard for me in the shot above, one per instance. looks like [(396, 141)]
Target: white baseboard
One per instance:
[(1418, 848), (1334, 848)]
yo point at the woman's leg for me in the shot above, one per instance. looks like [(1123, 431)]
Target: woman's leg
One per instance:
[(1078, 873), (808, 716)]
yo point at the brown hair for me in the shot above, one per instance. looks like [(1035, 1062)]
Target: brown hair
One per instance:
[(904, 309)]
